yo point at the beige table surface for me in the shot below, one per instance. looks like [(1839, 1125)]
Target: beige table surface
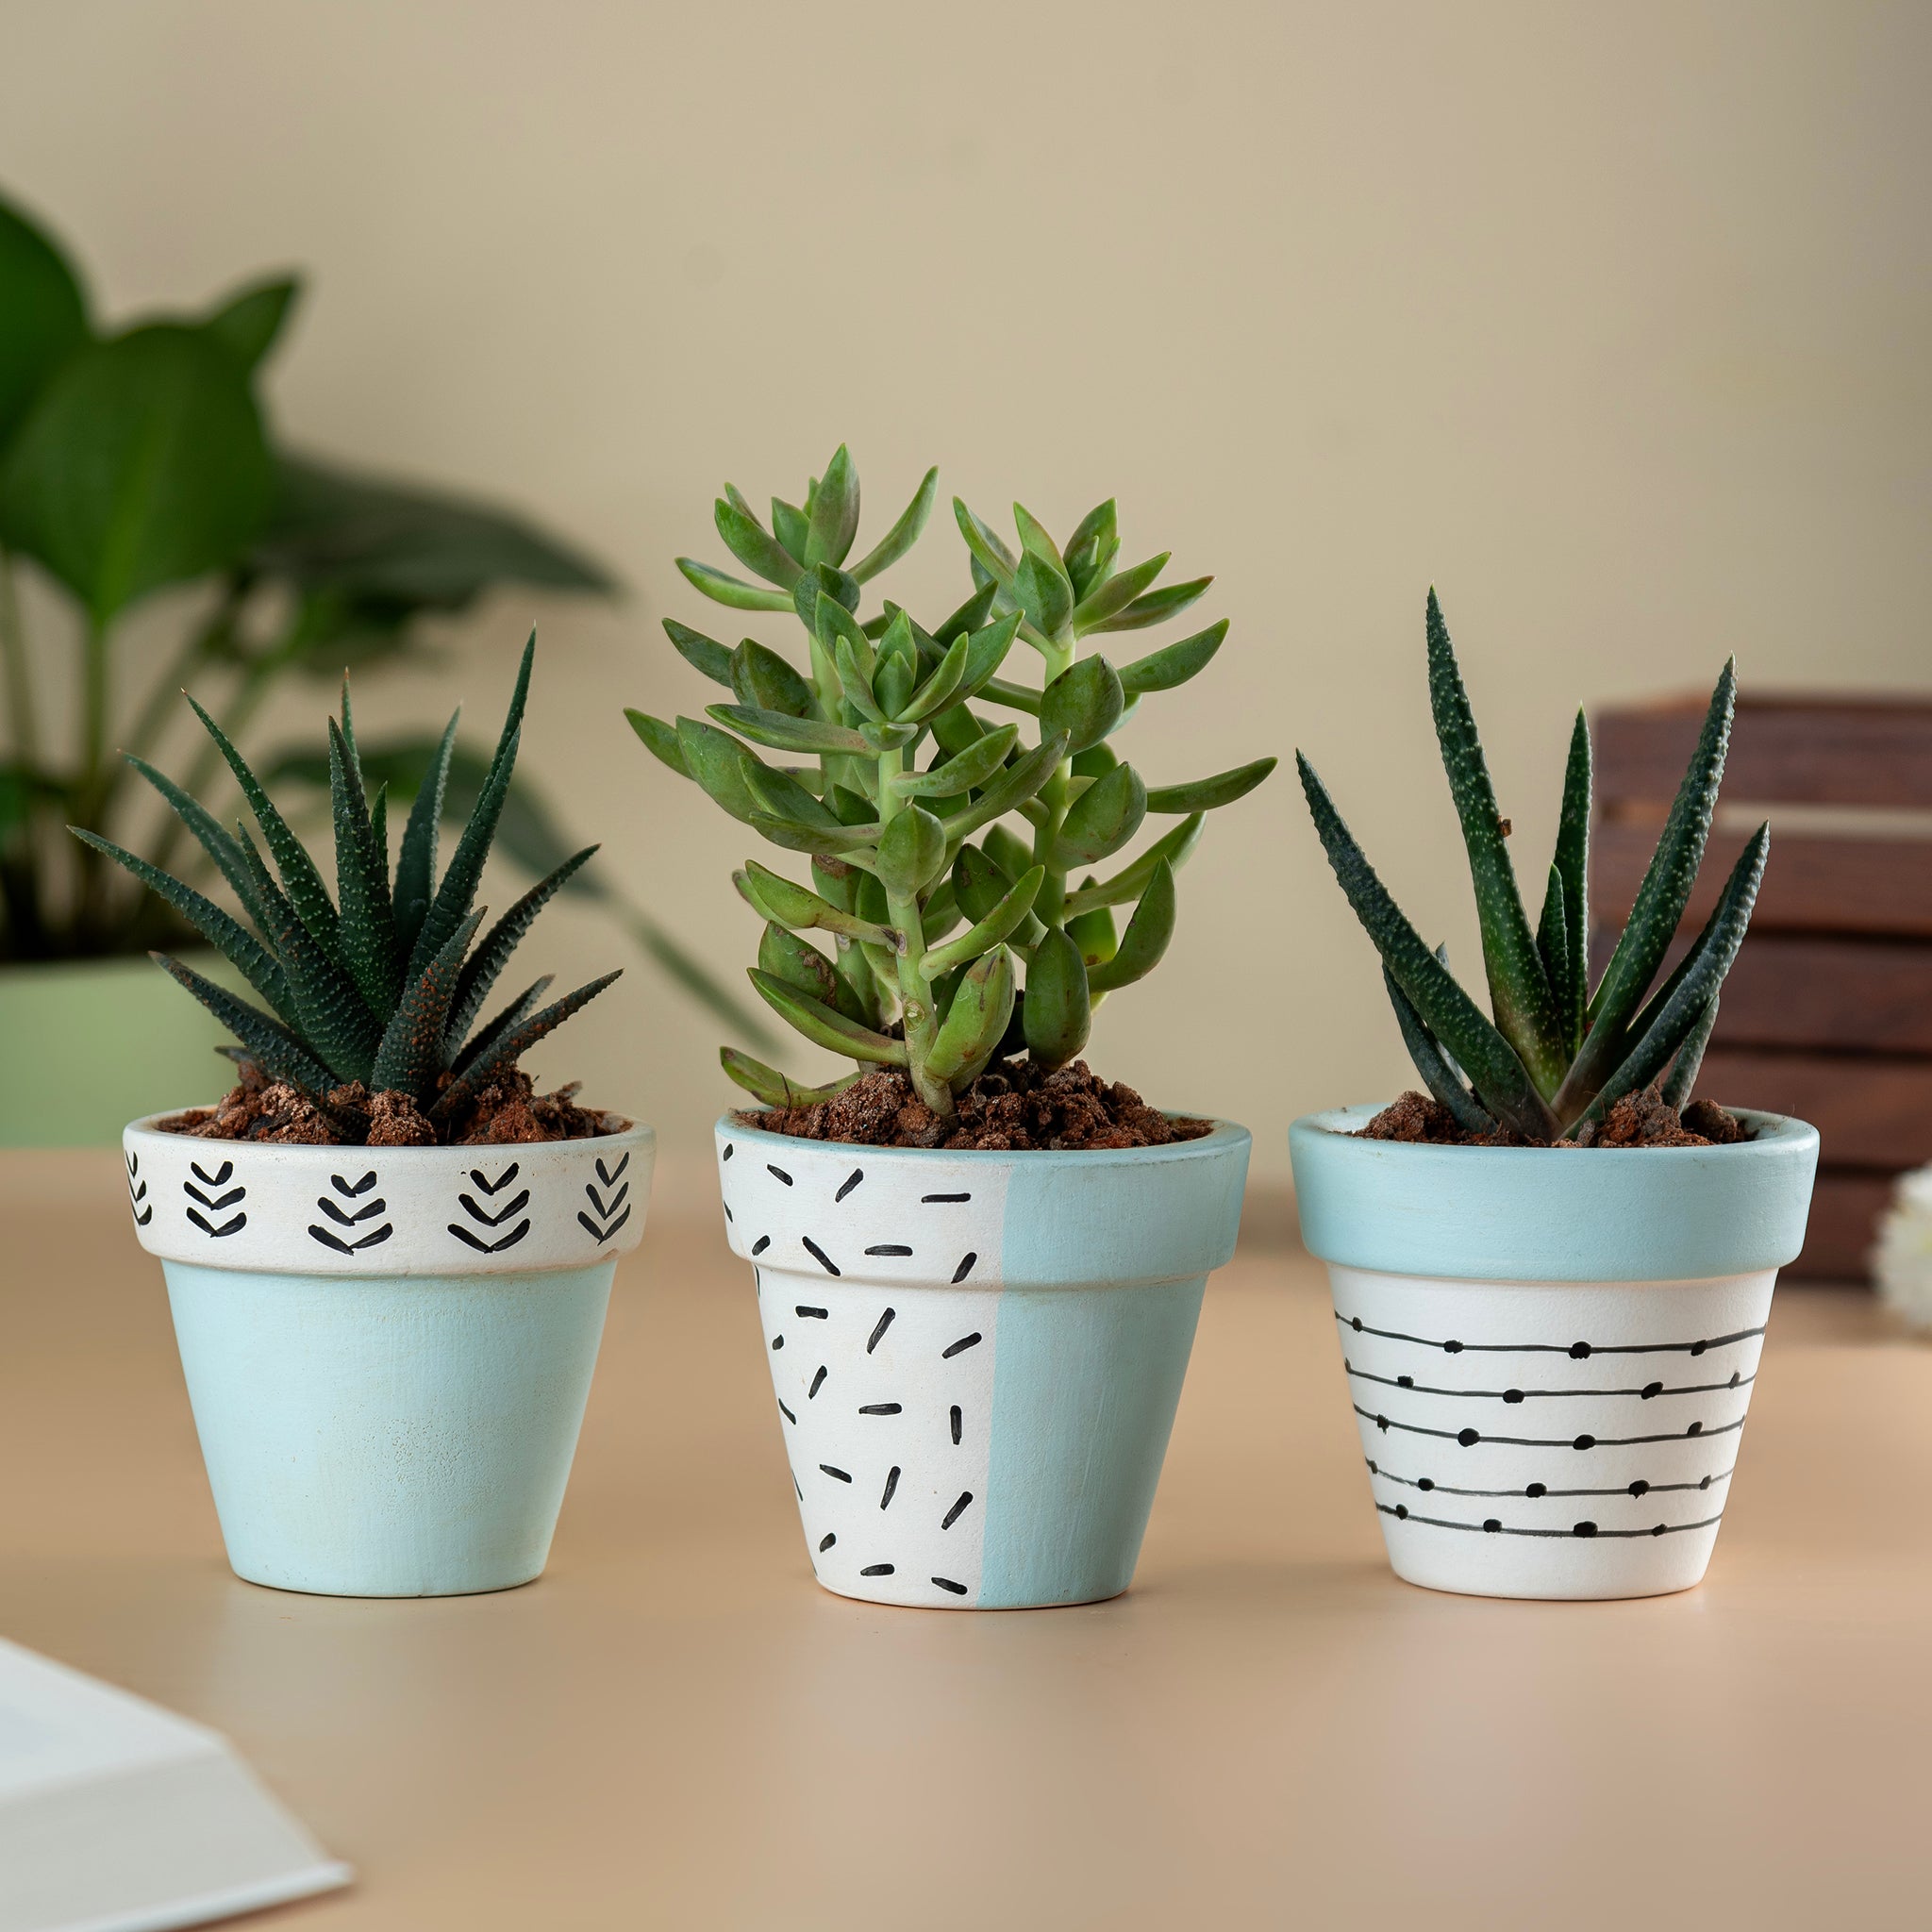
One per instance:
[(675, 1727)]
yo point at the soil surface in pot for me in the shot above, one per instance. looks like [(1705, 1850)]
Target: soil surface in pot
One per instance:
[(509, 1110), (1013, 1107), (1639, 1120)]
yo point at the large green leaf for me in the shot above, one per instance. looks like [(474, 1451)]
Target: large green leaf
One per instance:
[(42, 313), (249, 321), (141, 463)]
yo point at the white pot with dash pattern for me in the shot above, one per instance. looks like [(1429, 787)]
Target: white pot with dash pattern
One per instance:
[(976, 1356), (387, 1349), (1550, 1352)]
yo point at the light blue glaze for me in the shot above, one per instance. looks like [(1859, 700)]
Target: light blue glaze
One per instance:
[(1105, 1256), (393, 1437), (1553, 1214)]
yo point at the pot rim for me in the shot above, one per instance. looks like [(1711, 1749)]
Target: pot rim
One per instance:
[(634, 1131), (1224, 1134), (1549, 1213)]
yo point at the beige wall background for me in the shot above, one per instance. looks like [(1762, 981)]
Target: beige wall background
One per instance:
[(1612, 323)]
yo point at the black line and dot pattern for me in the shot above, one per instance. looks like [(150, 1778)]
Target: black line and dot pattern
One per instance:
[(1535, 1490), (1647, 1394), (1494, 1525), (1468, 1438), (1576, 1350)]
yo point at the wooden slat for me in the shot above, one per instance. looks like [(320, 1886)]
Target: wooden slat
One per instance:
[(1794, 750), (1873, 1114), (1834, 995), (1810, 885), (1844, 1223)]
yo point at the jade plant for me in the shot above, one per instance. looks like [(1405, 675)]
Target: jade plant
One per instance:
[(384, 983), (956, 936), (1557, 1054)]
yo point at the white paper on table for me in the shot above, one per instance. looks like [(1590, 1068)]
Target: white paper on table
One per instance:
[(117, 1816)]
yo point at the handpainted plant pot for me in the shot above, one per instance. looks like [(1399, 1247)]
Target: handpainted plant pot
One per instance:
[(1550, 1352), (387, 1349), (977, 1356)]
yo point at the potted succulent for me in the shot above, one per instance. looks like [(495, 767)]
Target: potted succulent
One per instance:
[(138, 459), (1552, 1271), (978, 1266), (387, 1257)]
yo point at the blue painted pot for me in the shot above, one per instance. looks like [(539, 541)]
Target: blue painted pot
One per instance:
[(1550, 1352), (976, 1356), (388, 1350)]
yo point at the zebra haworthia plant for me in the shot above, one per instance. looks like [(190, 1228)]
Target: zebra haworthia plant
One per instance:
[(383, 983), (902, 810), (1557, 1054)]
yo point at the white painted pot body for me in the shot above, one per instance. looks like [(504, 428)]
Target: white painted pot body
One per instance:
[(388, 1350), (1555, 1407), (976, 1355)]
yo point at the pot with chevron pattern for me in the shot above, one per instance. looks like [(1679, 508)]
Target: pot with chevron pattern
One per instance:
[(976, 1356), (387, 1349)]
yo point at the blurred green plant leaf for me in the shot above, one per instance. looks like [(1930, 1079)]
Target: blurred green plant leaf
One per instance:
[(42, 313)]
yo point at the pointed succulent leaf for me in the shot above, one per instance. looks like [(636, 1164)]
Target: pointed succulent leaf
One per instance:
[(893, 683), (912, 852), (774, 1088), (716, 761), (1157, 607), (1095, 935), (778, 898), (702, 653), (762, 679), (798, 963), (1100, 820), (783, 732), (979, 882), (976, 1021), (483, 967), (789, 526), (962, 773), (1500, 1080), (781, 794), (1174, 664), (300, 879), (833, 841), (989, 551), (1573, 863), (1096, 761), (941, 687), (281, 1056), (939, 914), (492, 1029), (334, 1019), (1007, 914), (224, 933), (660, 738), (366, 939), (1091, 549), (1043, 595), (505, 1052), (890, 736), (1085, 702), (825, 1027), (1035, 539), (1666, 887), (1011, 788), (986, 651), (734, 591), (1007, 850), (415, 884), (1113, 596), (1207, 794), (833, 511), (753, 545), (1060, 1011), (903, 535), (971, 616), (1145, 939), (219, 844), (1131, 881), (1689, 1061), (409, 1058), (1552, 948), (1521, 995), (1438, 1077)]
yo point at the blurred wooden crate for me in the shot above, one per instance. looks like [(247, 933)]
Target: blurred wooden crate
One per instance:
[(1828, 1013)]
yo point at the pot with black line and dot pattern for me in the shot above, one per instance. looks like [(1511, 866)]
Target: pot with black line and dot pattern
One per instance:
[(976, 1356), (1550, 1352), (388, 1350)]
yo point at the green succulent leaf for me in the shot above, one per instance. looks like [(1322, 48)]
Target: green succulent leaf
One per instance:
[(1130, 882), (826, 841), (221, 846), (903, 535), (781, 794), (1145, 939), (485, 965), (716, 761), (984, 542), (1091, 549), (754, 546), (789, 526), (1174, 664), (367, 934), (963, 772), (730, 591), (1438, 1077), (1084, 701), (1573, 864), (280, 1055), (782, 732), (976, 1021), (832, 512), (660, 738), (913, 853), (774, 1088), (825, 1027), (1014, 786), (494, 1029), (415, 883), (1208, 794), (702, 653), (1095, 935), (785, 956), (1007, 914), (778, 899), (409, 1058), (1157, 607), (1100, 820), (1059, 1010), (1110, 598), (505, 1052), (1689, 1061), (1044, 595)]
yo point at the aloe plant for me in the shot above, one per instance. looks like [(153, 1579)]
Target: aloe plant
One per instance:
[(1555, 1053), (902, 813), (384, 982)]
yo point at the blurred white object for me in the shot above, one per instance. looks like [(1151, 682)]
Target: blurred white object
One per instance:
[(1903, 1258), (116, 1816)]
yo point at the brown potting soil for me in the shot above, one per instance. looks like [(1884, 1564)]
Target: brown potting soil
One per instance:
[(509, 1110), (1013, 1107), (1639, 1120)]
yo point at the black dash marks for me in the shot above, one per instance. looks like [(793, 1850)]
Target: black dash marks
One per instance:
[(947, 1583), (851, 1181), (880, 1409), (218, 1203), (890, 1248), (777, 1174), (952, 1515), (956, 1425), (876, 1570), (838, 1475), (812, 1314), (729, 1151), (778, 1342), (786, 1412), (368, 1211), (959, 1347), (885, 1322), (928, 1198), (964, 1269), (492, 1218), (764, 1241), (892, 1484), (819, 1255), (827, 1541), (818, 1382)]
